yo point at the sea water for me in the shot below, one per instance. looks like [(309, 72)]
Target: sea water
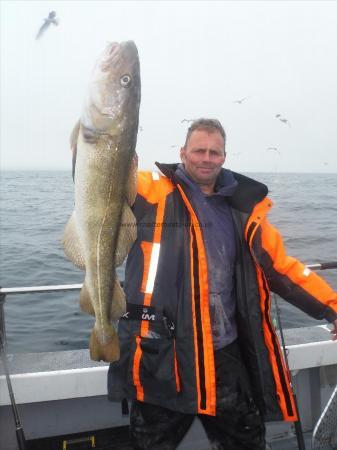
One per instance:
[(35, 206)]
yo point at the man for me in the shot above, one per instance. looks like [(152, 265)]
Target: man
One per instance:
[(197, 337)]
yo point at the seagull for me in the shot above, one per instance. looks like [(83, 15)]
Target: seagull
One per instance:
[(275, 149), (50, 19), (282, 119), (240, 100), (187, 120)]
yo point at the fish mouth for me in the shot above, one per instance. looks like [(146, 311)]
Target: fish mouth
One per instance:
[(110, 53), (112, 48)]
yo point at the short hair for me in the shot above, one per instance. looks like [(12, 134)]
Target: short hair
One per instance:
[(209, 125)]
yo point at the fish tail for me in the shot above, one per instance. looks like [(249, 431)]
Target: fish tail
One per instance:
[(108, 352)]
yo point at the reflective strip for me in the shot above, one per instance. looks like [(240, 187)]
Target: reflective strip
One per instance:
[(155, 175), (306, 272), (147, 250), (136, 364), (153, 268), (176, 367)]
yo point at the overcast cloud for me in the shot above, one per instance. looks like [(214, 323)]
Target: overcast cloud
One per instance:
[(196, 59)]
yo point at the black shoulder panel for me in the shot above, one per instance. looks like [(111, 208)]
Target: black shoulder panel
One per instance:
[(248, 193)]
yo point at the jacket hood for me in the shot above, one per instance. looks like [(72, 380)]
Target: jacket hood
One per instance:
[(247, 194)]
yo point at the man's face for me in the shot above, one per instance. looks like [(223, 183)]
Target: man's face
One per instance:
[(203, 157)]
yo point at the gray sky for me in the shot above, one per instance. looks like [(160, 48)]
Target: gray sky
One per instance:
[(196, 59)]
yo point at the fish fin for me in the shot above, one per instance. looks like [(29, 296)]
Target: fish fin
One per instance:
[(126, 236), (71, 243), (73, 144), (118, 306), (85, 300), (108, 352), (131, 190), (74, 134)]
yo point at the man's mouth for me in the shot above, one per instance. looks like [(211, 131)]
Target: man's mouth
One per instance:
[(206, 169)]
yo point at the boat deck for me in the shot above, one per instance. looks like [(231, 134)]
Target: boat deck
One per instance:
[(113, 439), (290, 443), (61, 393)]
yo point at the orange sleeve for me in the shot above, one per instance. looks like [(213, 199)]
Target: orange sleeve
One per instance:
[(292, 277)]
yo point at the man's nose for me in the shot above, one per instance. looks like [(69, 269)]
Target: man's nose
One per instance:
[(207, 156)]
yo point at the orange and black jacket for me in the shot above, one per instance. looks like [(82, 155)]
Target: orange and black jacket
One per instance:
[(165, 336)]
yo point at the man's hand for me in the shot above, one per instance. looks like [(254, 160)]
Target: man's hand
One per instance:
[(334, 330)]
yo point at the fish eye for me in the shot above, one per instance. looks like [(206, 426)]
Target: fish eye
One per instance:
[(125, 80)]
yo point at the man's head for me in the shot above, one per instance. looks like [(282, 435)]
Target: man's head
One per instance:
[(204, 152)]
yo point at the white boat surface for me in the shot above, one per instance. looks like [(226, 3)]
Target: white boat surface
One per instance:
[(64, 394)]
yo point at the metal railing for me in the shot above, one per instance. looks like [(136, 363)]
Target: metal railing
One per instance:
[(29, 290), (35, 289), (77, 287)]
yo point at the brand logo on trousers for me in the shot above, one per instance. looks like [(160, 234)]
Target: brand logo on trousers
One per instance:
[(146, 316)]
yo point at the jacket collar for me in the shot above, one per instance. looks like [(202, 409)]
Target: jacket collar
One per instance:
[(247, 194), (224, 187)]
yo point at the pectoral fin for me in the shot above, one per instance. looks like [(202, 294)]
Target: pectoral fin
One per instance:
[(131, 189), (71, 243), (118, 306), (85, 301), (127, 235)]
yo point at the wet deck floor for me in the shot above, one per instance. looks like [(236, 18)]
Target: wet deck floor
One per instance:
[(290, 443)]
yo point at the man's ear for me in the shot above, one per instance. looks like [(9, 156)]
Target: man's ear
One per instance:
[(182, 154)]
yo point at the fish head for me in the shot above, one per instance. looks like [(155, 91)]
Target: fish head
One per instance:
[(113, 98)]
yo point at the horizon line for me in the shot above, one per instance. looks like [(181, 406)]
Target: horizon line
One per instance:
[(149, 170)]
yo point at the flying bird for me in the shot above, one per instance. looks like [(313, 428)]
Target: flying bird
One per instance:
[(187, 120), (240, 100), (50, 19), (282, 119), (275, 149)]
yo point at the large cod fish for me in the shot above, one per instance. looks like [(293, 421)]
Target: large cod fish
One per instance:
[(102, 227)]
